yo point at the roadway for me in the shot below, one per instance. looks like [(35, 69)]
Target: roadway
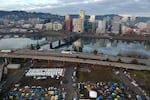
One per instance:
[(129, 85), (80, 55), (15, 77), (77, 57)]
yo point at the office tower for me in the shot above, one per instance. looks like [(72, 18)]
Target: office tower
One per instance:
[(67, 22), (116, 25), (82, 14), (92, 18), (132, 21), (91, 22), (125, 20), (148, 27), (108, 23), (101, 28), (78, 25)]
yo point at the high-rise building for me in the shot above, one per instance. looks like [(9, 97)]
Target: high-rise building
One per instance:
[(132, 21), (101, 28), (108, 23), (148, 27), (116, 25), (92, 18), (91, 22), (82, 14), (67, 17), (67, 22), (125, 20), (78, 25)]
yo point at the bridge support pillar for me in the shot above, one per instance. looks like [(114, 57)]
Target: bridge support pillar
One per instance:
[(5, 61), (111, 41), (59, 43), (51, 45), (33, 61), (49, 63), (10, 60)]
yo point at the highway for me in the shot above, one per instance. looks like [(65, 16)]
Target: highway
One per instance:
[(77, 57), (80, 55)]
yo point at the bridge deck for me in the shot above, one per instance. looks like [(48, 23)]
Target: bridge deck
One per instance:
[(77, 58)]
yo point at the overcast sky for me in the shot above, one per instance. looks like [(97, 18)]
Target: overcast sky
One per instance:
[(97, 7)]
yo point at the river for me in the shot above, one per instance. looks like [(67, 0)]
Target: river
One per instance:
[(18, 43), (103, 46)]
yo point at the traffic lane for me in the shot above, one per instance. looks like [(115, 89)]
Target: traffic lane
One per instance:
[(90, 61), (128, 84), (82, 55)]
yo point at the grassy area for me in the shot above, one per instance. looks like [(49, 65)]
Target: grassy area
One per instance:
[(142, 78), (140, 74), (96, 74)]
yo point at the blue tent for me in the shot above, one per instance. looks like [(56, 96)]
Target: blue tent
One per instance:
[(99, 98), (30, 98), (42, 98)]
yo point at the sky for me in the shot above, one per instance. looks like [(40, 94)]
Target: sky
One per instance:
[(96, 7)]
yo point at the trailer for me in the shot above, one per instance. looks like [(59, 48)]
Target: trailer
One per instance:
[(7, 51)]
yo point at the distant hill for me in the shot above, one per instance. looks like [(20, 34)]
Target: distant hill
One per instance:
[(17, 15), (142, 19)]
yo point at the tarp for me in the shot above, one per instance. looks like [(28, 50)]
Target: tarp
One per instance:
[(92, 94)]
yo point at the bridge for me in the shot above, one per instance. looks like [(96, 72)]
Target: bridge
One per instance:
[(77, 58), (57, 41), (61, 40)]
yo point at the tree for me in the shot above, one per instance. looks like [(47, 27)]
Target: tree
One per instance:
[(134, 61), (134, 54), (119, 60), (38, 46), (95, 52), (80, 49), (107, 59), (32, 47)]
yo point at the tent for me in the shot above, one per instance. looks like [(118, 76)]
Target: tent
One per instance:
[(92, 94)]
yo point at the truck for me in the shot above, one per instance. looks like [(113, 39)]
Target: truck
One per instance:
[(66, 52), (7, 51)]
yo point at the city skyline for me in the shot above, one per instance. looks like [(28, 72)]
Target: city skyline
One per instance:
[(121, 7)]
